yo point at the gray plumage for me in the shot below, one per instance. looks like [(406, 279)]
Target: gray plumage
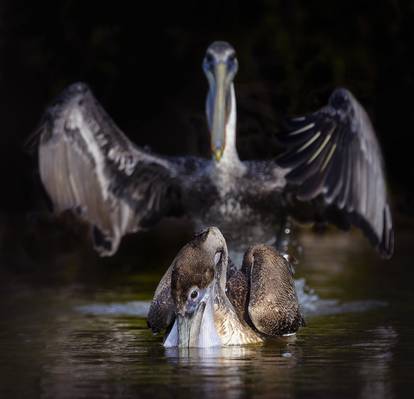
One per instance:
[(331, 170), (334, 159), (87, 164)]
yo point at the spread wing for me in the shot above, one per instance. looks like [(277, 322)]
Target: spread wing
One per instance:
[(273, 305), (88, 165), (162, 310), (334, 161)]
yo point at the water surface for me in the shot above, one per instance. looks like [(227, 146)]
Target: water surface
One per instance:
[(74, 326)]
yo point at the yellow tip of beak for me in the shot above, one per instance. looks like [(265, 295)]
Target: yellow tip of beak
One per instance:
[(218, 153)]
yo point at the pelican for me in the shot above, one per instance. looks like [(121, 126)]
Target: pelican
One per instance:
[(209, 304), (331, 171)]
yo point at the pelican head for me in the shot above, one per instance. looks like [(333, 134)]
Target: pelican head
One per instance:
[(220, 66), (192, 284)]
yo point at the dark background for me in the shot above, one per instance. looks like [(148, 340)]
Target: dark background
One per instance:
[(144, 65)]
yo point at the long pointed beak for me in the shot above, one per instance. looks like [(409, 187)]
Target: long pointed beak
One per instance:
[(189, 327), (218, 133)]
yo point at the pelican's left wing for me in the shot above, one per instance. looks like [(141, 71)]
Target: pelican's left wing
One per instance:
[(162, 309), (272, 306), (88, 165), (334, 165)]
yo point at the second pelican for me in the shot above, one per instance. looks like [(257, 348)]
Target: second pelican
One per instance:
[(205, 301)]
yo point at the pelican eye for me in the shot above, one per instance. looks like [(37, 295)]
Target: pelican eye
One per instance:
[(194, 294), (232, 58), (209, 59)]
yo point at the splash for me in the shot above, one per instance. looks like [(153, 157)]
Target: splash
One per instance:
[(310, 302), (313, 305), (308, 299)]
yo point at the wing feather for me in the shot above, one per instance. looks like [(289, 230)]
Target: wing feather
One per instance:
[(88, 165), (162, 310), (273, 306), (333, 155)]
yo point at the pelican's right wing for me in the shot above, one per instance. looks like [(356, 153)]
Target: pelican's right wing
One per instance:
[(88, 165)]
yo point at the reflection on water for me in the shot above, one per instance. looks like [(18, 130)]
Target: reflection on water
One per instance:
[(375, 369), (134, 308), (232, 372), (87, 336)]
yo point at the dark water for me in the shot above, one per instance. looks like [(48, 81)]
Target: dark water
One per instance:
[(70, 333)]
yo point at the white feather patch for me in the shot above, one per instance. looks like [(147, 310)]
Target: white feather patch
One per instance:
[(302, 129), (172, 339), (76, 120), (208, 333)]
